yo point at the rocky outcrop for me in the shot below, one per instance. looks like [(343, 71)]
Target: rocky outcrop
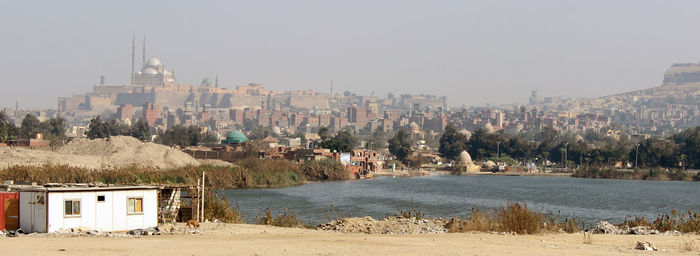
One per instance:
[(682, 73)]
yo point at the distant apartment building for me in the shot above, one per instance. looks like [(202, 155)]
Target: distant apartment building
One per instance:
[(125, 111), (150, 113)]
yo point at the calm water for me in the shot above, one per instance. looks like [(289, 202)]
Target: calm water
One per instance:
[(445, 196)]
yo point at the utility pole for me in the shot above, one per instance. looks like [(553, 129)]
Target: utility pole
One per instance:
[(199, 200), (498, 149), (566, 151), (203, 179), (636, 157)]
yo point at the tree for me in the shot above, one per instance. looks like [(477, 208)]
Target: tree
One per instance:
[(400, 145), (344, 141), (7, 128), (30, 126), (483, 144), (57, 126), (323, 133), (140, 130), (452, 143), (656, 153), (260, 132), (185, 136), (377, 141), (97, 129)]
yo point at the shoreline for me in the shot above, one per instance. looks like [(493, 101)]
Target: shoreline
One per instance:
[(245, 239), (424, 172)]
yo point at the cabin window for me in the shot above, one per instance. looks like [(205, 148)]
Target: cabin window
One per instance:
[(135, 205), (101, 198), (72, 207)]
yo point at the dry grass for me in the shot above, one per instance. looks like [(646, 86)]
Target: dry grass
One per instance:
[(216, 207), (688, 244), (287, 219), (413, 213), (514, 217), (250, 174), (685, 222)]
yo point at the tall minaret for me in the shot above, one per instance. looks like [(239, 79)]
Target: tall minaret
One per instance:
[(144, 51), (133, 57), (216, 81), (331, 88)]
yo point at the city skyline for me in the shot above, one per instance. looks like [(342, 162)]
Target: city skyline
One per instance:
[(567, 49)]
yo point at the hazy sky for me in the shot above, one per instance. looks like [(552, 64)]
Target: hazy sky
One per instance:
[(474, 52)]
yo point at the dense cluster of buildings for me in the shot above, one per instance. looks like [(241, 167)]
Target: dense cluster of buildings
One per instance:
[(154, 95)]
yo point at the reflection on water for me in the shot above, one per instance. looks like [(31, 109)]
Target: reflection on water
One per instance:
[(445, 196)]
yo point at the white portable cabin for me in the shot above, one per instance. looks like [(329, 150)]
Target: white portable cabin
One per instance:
[(107, 209)]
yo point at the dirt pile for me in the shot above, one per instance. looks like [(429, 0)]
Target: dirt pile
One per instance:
[(115, 152), (388, 225)]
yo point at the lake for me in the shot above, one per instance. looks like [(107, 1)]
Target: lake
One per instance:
[(446, 196)]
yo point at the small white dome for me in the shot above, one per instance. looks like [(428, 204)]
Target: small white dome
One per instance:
[(414, 127), (489, 128), (138, 72), (150, 71), (464, 158), (466, 133)]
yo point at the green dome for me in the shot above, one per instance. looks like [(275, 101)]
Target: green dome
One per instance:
[(235, 137)]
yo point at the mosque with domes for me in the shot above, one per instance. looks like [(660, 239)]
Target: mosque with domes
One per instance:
[(154, 83), (153, 73)]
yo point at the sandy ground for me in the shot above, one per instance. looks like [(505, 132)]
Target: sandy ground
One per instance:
[(227, 239)]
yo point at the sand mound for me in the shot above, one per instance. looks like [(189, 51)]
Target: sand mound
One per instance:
[(115, 152)]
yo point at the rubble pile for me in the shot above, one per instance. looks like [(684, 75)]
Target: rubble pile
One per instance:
[(604, 227), (76, 232), (388, 225)]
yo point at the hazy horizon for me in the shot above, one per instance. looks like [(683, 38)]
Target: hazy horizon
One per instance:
[(474, 52)]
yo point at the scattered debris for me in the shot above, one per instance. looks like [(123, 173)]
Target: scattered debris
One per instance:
[(388, 225), (603, 227), (645, 246)]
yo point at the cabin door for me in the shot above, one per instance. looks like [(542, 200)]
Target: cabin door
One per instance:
[(103, 212), (11, 214)]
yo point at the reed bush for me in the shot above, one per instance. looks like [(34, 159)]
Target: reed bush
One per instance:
[(612, 173), (325, 169), (287, 219), (255, 173), (216, 207), (684, 222), (272, 172), (513, 217), (517, 218)]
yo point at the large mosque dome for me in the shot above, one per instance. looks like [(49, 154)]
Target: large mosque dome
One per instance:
[(153, 63), (153, 73)]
